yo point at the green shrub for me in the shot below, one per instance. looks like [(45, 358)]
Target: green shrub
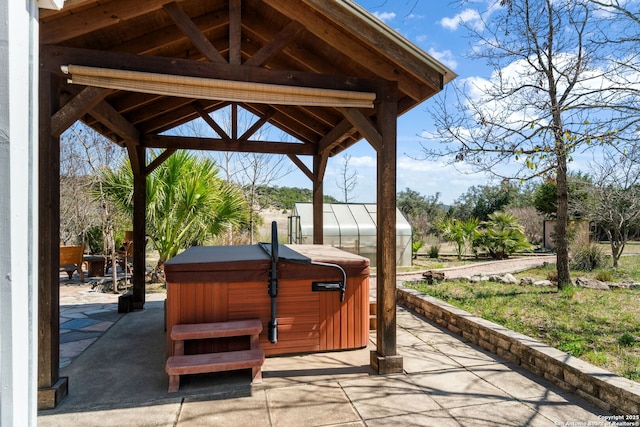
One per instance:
[(569, 291), (604, 276), (95, 239), (597, 358), (574, 347), (416, 245), (587, 258), (627, 340), (434, 251)]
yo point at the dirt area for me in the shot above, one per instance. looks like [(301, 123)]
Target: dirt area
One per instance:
[(270, 215)]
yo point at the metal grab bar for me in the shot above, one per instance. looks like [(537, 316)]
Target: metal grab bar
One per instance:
[(272, 250), (273, 284)]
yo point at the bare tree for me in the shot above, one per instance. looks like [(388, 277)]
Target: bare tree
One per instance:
[(548, 97), (83, 153), (257, 170), (531, 221), (614, 202), (249, 170), (348, 180)]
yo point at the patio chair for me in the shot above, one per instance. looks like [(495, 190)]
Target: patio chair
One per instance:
[(71, 260), (124, 258)]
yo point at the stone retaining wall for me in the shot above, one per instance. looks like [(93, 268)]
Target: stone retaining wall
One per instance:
[(602, 388)]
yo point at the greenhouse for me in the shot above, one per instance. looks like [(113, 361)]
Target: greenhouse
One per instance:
[(351, 227)]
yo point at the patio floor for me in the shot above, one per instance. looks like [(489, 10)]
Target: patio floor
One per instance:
[(118, 379)]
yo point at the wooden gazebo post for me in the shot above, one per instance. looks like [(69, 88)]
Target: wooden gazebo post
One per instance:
[(319, 166), (51, 388), (385, 359), (139, 229)]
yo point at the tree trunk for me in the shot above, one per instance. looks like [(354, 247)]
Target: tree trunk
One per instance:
[(562, 216)]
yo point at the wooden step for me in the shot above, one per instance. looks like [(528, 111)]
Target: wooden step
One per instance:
[(214, 362), (233, 328)]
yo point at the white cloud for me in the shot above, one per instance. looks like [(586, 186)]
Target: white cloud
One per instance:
[(385, 16), (445, 56), (363, 161), (431, 177), (468, 17)]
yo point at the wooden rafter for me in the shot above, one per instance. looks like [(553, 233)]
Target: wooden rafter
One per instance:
[(159, 160), (334, 137), (78, 106), (296, 160), (364, 125), (276, 45), (93, 19), (198, 39), (159, 41), (383, 45), (209, 120), (257, 125), (109, 117), (214, 144), (282, 122), (176, 116), (235, 32)]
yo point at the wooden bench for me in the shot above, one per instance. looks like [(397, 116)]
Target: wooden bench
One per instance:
[(71, 260), (181, 364)]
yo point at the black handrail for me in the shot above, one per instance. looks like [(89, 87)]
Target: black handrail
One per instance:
[(272, 250), (273, 284)]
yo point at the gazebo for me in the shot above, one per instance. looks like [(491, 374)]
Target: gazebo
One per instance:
[(327, 73)]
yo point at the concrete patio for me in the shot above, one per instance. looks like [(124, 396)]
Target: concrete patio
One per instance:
[(119, 380)]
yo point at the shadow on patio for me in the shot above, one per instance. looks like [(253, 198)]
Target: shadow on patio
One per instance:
[(120, 380)]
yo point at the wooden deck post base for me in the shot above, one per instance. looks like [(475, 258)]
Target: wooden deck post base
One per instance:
[(48, 398), (386, 364)]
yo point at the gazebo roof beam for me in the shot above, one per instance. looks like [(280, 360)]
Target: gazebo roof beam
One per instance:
[(54, 57), (215, 144)]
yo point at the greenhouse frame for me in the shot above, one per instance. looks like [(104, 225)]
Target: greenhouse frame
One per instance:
[(350, 227)]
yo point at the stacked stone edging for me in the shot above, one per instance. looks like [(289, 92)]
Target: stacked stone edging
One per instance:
[(602, 388)]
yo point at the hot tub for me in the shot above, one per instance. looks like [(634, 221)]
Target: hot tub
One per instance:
[(221, 283)]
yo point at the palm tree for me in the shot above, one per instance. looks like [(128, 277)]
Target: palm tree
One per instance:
[(187, 204), (503, 235), (461, 233)]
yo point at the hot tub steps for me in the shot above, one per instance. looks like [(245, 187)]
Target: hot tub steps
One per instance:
[(214, 362), (181, 364)]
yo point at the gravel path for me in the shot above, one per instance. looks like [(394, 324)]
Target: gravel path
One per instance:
[(488, 268)]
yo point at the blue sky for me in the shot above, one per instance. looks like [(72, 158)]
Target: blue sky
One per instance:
[(432, 26)]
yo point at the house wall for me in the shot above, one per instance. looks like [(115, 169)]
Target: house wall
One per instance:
[(18, 212), (580, 228)]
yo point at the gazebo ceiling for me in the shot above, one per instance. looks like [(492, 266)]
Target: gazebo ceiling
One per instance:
[(319, 44)]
